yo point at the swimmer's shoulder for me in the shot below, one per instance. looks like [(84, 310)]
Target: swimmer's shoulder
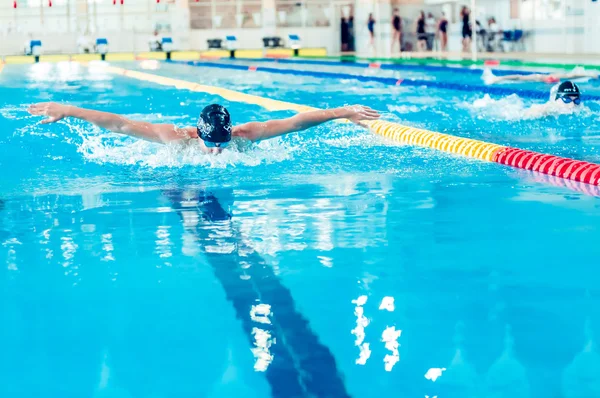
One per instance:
[(187, 132), (241, 131)]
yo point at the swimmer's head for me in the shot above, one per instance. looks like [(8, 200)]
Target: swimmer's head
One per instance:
[(567, 92), (214, 126)]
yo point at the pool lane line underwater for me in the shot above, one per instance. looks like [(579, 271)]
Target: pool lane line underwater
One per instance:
[(390, 81), (565, 168), (301, 365)]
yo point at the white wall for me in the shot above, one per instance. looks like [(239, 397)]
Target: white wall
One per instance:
[(575, 29), (129, 27)]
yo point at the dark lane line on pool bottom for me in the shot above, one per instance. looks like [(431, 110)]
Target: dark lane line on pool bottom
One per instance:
[(390, 81), (301, 366)]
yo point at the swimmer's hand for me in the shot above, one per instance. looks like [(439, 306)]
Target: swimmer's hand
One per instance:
[(54, 111), (358, 114)]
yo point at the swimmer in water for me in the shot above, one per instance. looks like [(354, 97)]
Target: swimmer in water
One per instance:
[(565, 98), (567, 92), (552, 78), (214, 130)]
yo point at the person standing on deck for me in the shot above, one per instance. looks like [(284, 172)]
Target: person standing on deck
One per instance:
[(345, 30), (371, 26), (443, 31), (421, 34), (397, 26), (467, 33), (431, 26), (351, 34)]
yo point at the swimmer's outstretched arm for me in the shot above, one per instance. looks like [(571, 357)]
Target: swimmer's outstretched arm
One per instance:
[(578, 75), (256, 131), (519, 78), (162, 133), (537, 77)]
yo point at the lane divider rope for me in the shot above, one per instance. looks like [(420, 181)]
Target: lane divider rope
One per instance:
[(555, 166), (392, 81)]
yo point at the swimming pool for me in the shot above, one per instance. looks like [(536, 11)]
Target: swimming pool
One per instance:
[(329, 263)]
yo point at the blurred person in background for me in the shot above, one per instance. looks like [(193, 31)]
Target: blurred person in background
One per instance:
[(431, 30), (443, 32), (345, 31), (482, 36), (421, 33), (371, 26), (397, 30), (467, 33), (351, 36), (494, 36)]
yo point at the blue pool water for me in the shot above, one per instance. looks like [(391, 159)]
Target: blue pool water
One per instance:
[(329, 263)]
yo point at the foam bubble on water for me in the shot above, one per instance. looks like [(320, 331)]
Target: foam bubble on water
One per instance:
[(15, 112), (488, 77), (357, 140), (402, 109)]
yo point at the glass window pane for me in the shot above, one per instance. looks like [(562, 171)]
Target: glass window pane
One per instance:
[(318, 13), (290, 13), (251, 14), (225, 12), (201, 15)]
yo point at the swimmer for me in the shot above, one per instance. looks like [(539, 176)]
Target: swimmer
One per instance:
[(567, 92), (214, 130), (565, 98), (552, 78)]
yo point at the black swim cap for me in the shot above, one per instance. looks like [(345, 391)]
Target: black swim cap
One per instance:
[(214, 125), (567, 89)]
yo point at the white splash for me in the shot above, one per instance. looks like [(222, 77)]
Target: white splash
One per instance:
[(362, 300), (361, 323), (402, 109), (514, 108), (103, 147), (387, 304), (359, 330), (390, 337), (260, 313), (365, 354), (434, 373), (261, 349)]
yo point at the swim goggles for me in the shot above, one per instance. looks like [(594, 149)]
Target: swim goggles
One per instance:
[(567, 100), (216, 144)]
